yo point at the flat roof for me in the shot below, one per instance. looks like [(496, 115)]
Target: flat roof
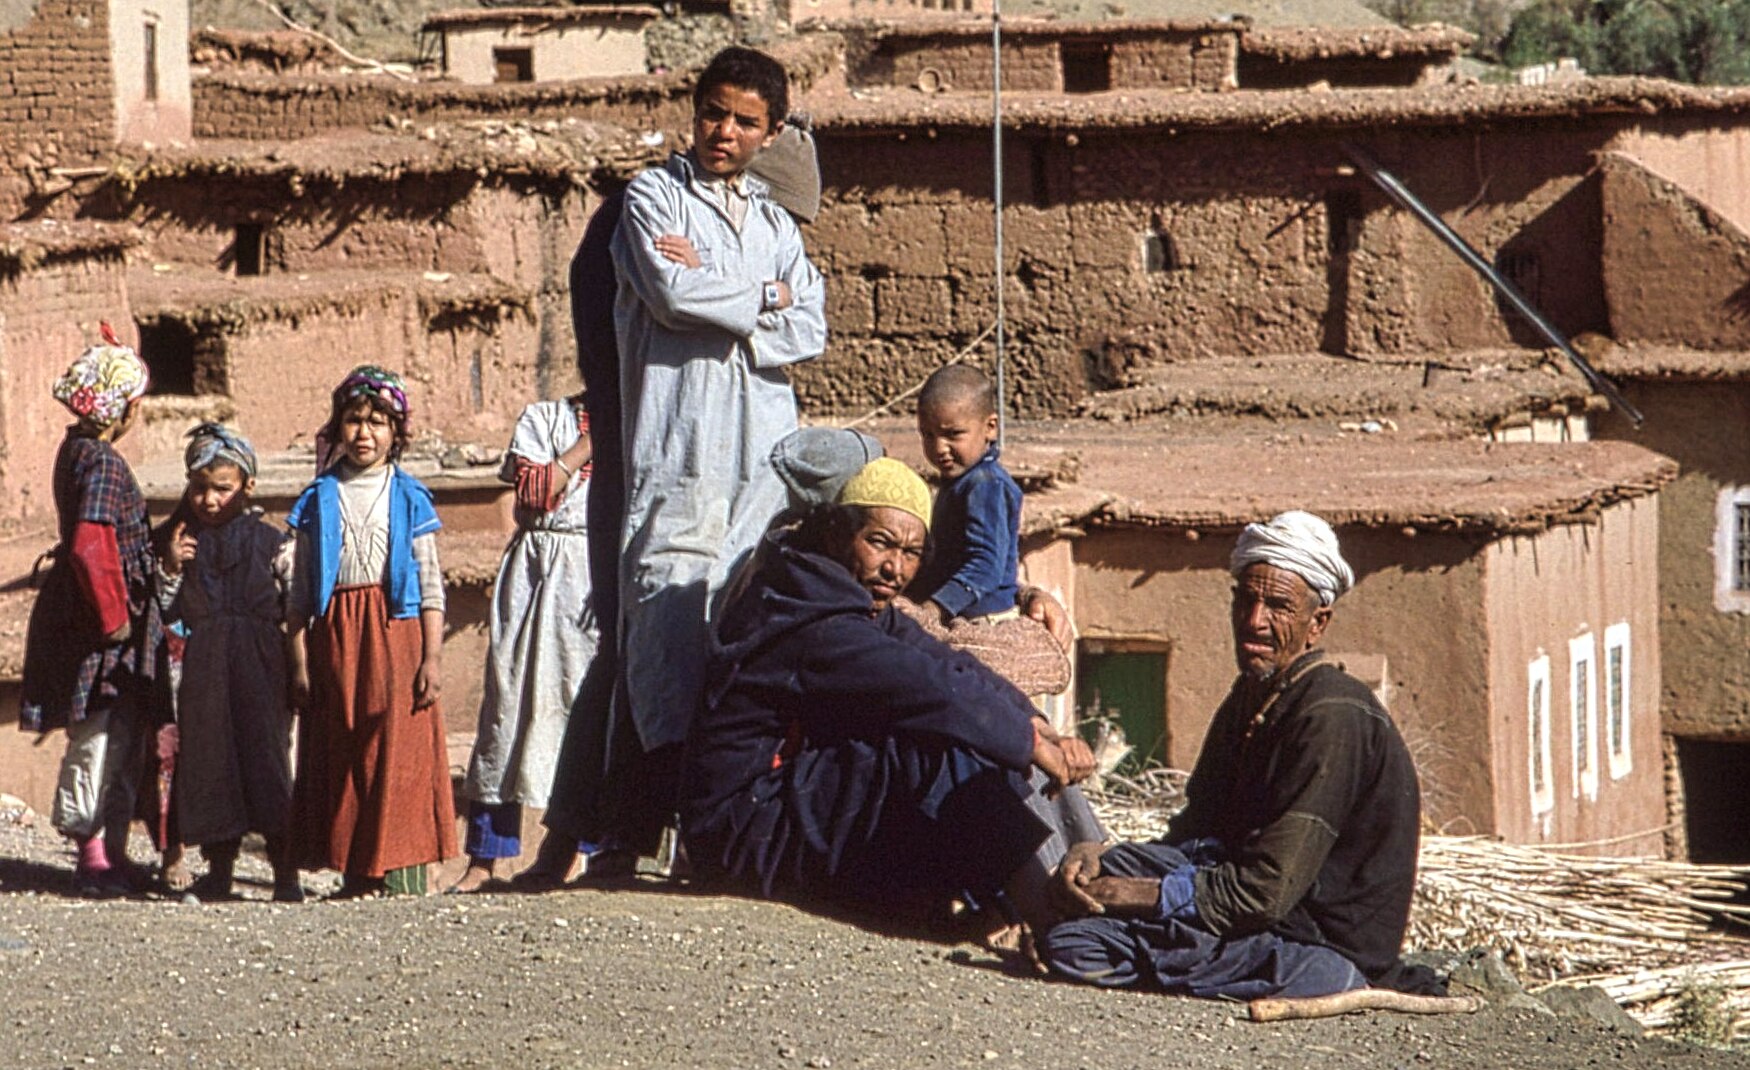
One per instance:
[(550, 148), (197, 296), (1447, 394), (1672, 363), (1222, 482), (978, 27), (542, 16), (24, 245), (1351, 42), (875, 110)]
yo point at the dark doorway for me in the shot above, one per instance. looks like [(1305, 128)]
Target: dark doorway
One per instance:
[(247, 248), (168, 348), (1087, 66), (1343, 217), (513, 64), (1716, 810), (1126, 681)]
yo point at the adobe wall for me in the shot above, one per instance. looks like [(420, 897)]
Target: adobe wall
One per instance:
[(1419, 603), (1675, 268), (906, 239), (466, 384), (49, 314), (166, 115), (611, 48), (1710, 161), (1705, 427), (1542, 591), (57, 92)]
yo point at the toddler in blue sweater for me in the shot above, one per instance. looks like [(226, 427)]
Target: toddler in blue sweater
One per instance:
[(976, 522)]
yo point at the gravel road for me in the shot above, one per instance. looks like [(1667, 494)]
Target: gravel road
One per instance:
[(643, 975)]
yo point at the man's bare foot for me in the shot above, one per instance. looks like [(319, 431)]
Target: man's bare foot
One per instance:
[(472, 879), (175, 875), (556, 865)]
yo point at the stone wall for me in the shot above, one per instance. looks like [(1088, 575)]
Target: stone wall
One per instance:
[(1210, 244), (57, 92), (1038, 61)]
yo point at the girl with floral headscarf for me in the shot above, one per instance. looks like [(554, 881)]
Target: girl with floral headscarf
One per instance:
[(365, 616), (96, 636)]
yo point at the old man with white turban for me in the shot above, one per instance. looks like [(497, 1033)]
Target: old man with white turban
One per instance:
[(1289, 872)]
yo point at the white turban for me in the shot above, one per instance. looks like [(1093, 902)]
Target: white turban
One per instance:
[(1300, 543)]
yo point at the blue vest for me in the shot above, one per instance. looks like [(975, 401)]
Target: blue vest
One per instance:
[(316, 516)]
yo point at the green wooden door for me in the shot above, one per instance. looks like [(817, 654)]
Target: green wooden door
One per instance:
[(1130, 687)]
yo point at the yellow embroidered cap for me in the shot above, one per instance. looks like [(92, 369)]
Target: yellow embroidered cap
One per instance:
[(891, 483)]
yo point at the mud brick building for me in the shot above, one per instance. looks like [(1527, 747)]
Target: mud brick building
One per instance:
[(79, 76), (480, 46)]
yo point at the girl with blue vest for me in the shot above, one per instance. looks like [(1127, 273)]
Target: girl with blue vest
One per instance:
[(365, 622)]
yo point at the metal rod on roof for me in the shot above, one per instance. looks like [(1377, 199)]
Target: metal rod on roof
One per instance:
[(996, 53), (1409, 202)]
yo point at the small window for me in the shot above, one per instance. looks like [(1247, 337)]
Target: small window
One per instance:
[(513, 64), (1543, 795), (1583, 714), (1158, 252), (247, 247), (151, 61), (1522, 269), (1087, 66), (1343, 218), (1617, 670), (1732, 550)]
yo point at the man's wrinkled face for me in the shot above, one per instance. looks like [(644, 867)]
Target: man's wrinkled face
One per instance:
[(730, 127), (1276, 619), (885, 552)]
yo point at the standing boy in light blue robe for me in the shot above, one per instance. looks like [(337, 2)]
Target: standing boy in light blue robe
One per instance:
[(716, 297)]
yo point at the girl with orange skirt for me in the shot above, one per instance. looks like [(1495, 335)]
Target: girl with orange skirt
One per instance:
[(365, 622)]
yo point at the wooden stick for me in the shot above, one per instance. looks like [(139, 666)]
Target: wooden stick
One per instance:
[(1362, 999), (340, 49)]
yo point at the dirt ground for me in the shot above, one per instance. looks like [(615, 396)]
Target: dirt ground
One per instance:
[(642, 975)]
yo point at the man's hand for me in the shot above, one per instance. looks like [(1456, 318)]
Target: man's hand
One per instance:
[(1078, 755), (679, 250), (1066, 891), (298, 688), (121, 634), (1049, 758), (1038, 604)]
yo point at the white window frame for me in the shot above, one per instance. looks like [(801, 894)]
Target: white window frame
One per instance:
[(1727, 597), (1617, 642), (1583, 713), (1537, 705)]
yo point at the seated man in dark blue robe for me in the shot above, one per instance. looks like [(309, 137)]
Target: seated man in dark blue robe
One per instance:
[(842, 754), (1291, 868)]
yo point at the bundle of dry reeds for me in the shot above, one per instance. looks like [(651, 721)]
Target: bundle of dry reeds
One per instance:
[(1555, 915)]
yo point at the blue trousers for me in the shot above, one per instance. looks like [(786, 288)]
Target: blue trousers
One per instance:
[(1183, 958), (497, 832)]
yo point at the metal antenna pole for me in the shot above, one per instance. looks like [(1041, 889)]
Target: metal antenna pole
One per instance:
[(1401, 196), (996, 52)]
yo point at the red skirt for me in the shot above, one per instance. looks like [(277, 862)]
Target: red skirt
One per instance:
[(373, 787)]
